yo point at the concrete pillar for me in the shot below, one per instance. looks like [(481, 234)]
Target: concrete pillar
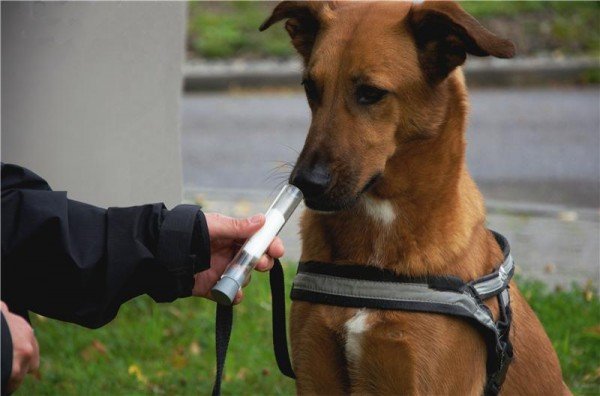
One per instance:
[(90, 97)]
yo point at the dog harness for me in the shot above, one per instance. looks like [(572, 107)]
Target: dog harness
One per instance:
[(360, 286)]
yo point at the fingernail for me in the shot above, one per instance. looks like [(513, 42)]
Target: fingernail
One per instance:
[(255, 219)]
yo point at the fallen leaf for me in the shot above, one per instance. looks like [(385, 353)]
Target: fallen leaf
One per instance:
[(593, 330), (200, 200), (266, 372), (195, 348), (241, 374), (99, 346), (137, 372), (593, 376), (559, 288), (93, 351), (550, 268), (589, 284), (242, 208), (36, 374), (568, 216), (176, 312), (178, 359)]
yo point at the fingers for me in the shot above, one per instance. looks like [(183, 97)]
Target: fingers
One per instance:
[(26, 353), (264, 264), (35, 361), (276, 249), (238, 297), (220, 226)]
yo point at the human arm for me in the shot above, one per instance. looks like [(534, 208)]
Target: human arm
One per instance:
[(76, 262)]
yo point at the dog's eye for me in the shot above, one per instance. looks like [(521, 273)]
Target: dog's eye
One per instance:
[(367, 95), (312, 94)]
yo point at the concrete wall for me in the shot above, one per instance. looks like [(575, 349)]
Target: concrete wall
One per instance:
[(90, 97)]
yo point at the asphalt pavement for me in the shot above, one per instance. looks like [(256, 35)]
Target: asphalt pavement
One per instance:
[(535, 153), (538, 145)]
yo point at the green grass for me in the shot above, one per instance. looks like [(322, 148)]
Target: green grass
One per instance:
[(168, 348), (229, 29), (572, 321)]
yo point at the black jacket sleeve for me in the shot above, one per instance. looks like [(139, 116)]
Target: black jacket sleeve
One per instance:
[(78, 263)]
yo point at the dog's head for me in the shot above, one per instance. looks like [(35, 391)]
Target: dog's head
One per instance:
[(374, 76)]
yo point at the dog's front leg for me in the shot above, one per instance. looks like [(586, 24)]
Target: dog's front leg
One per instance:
[(317, 350)]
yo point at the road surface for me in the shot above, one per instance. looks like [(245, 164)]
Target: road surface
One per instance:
[(534, 145)]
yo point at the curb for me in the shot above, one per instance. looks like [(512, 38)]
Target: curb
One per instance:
[(490, 72), (225, 75)]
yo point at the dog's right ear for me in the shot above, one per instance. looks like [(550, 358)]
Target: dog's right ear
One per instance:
[(302, 23)]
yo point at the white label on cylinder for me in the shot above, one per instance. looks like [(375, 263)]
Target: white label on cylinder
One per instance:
[(259, 242)]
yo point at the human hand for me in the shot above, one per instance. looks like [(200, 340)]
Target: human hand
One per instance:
[(26, 353), (226, 237)]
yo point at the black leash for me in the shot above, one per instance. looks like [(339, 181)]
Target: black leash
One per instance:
[(223, 326), (280, 344), (224, 323)]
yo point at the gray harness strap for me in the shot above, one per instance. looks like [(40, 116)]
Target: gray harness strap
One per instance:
[(396, 295), (370, 287)]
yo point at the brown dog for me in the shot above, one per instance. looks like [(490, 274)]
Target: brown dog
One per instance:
[(384, 177)]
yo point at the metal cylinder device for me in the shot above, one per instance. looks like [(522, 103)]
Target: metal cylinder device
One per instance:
[(245, 260)]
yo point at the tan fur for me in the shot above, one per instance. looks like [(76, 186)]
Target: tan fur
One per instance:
[(416, 139)]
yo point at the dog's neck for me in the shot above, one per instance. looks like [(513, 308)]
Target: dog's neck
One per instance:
[(425, 216)]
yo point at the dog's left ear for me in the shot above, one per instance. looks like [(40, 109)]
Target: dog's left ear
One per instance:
[(445, 33), (303, 23)]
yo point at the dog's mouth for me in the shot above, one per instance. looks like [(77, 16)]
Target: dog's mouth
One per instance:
[(326, 203), (370, 184)]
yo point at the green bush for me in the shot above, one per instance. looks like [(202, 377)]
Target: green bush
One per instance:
[(229, 29)]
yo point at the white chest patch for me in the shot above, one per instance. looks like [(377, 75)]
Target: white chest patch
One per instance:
[(355, 327), (380, 210)]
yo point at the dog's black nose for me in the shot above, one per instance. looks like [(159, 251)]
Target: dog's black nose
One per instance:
[(313, 182)]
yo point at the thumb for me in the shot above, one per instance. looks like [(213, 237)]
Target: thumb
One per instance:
[(230, 228)]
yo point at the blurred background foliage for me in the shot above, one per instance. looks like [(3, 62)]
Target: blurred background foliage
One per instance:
[(229, 29)]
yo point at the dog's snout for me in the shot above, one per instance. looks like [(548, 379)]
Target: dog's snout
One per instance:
[(314, 181)]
